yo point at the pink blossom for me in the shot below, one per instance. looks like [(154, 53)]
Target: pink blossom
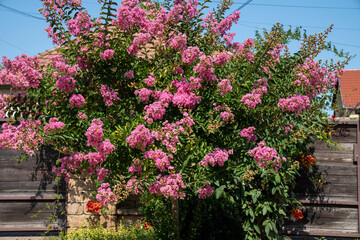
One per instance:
[(144, 94), (140, 138), (94, 133), (224, 86), (169, 185), (25, 136), (248, 133), (265, 156), (66, 83), (53, 124), (108, 54), (155, 111), (106, 147), (218, 156), (108, 95), (77, 101), (190, 55), (129, 74), (160, 158), (82, 116), (105, 195), (221, 58), (80, 25), (205, 192), (150, 80), (22, 72), (251, 100), (296, 104)]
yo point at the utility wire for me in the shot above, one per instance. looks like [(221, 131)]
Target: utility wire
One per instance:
[(8, 43), (243, 5), (298, 6), (21, 12)]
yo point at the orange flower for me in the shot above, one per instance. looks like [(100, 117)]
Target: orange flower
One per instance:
[(297, 213), (306, 161), (146, 225), (93, 207)]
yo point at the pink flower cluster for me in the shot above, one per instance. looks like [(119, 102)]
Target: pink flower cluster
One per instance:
[(178, 42), (276, 51), (150, 80), (226, 114), (190, 55), (53, 124), (243, 51), (251, 100), (108, 54), (134, 186), (67, 165), (296, 104), (108, 95), (218, 156), (144, 94), (265, 156), (81, 25), (169, 185), (315, 79), (77, 101), (66, 84), (106, 147), (82, 116), (168, 135), (221, 58), (184, 96), (25, 137), (155, 111), (223, 26), (224, 86), (140, 138), (136, 168), (94, 133), (160, 158), (139, 41), (105, 195), (248, 133), (205, 68), (129, 74), (205, 192), (22, 72)]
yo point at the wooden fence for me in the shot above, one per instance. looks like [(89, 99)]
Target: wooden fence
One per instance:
[(27, 190), (330, 192), (331, 206)]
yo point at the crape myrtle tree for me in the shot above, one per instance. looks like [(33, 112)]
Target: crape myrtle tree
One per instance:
[(160, 101)]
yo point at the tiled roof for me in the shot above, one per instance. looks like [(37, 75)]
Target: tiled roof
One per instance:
[(44, 57), (350, 88)]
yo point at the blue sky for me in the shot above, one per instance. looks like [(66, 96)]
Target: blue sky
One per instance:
[(20, 33)]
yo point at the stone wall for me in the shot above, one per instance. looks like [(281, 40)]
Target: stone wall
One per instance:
[(79, 193)]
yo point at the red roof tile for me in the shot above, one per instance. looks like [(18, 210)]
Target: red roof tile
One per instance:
[(350, 88)]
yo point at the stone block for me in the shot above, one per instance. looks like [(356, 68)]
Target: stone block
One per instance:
[(75, 208)]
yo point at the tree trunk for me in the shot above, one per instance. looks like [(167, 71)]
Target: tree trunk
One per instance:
[(175, 212)]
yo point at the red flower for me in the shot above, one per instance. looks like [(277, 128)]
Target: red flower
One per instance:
[(333, 116), (93, 207), (306, 161), (297, 213)]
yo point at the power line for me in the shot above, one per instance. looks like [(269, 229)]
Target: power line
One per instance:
[(335, 28), (8, 43), (300, 6), (21, 12), (244, 4)]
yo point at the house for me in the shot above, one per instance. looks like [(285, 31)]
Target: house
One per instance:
[(348, 98)]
